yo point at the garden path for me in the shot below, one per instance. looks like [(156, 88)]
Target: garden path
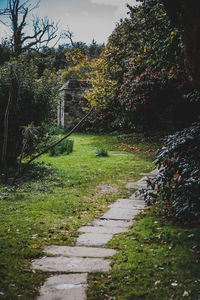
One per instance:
[(71, 265)]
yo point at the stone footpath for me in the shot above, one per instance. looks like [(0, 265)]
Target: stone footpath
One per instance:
[(71, 265)]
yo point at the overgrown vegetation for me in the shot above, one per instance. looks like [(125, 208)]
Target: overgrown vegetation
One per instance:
[(143, 41), (25, 99), (179, 177)]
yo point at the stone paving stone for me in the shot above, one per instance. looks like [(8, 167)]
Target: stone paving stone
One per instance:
[(135, 185), (127, 203), (102, 229), (71, 264), (93, 239), (137, 201), (148, 175), (120, 214), (154, 172), (64, 287), (79, 251), (113, 223)]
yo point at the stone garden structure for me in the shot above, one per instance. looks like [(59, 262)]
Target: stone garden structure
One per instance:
[(72, 104)]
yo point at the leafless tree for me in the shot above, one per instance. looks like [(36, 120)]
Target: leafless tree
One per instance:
[(17, 17), (67, 34)]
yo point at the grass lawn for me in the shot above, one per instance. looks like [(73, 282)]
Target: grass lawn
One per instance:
[(54, 200), (156, 259)]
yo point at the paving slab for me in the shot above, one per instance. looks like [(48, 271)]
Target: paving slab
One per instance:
[(137, 201), (93, 239), (154, 172), (143, 179), (136, 185), (127, 203), (64, 287), (113, 223), (102, 229), (71, 264), (120, 214), (148, 175), (79, 251)]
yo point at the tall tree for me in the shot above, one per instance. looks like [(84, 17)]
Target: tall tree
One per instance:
[(16, 16)]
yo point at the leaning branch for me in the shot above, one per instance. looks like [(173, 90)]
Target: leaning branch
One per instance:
[(52, 146)]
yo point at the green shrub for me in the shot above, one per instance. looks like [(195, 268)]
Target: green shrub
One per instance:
[(179, 177), (63, 148), (101, 151), (157, 99), (57, 130)]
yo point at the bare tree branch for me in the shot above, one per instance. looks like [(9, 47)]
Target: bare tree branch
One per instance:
[(18, 12), (69, 35)]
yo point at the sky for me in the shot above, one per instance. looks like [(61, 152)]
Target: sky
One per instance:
[(87, 19)]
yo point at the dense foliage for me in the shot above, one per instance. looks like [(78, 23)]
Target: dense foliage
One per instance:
[(148, 39), (34, 101), (158, 99), (179, 178), (79, 66)]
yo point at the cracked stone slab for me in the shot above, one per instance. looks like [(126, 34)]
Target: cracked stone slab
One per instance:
[(127, 203), (120, 214), (102, 229), (79, 251), (64, 287), (71, 264), (113, 223), (93, 239)]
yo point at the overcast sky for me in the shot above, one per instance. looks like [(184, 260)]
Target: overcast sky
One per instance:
[(87, 19)]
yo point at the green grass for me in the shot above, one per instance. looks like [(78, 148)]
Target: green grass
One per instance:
[(55, 197), (155, 260)]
